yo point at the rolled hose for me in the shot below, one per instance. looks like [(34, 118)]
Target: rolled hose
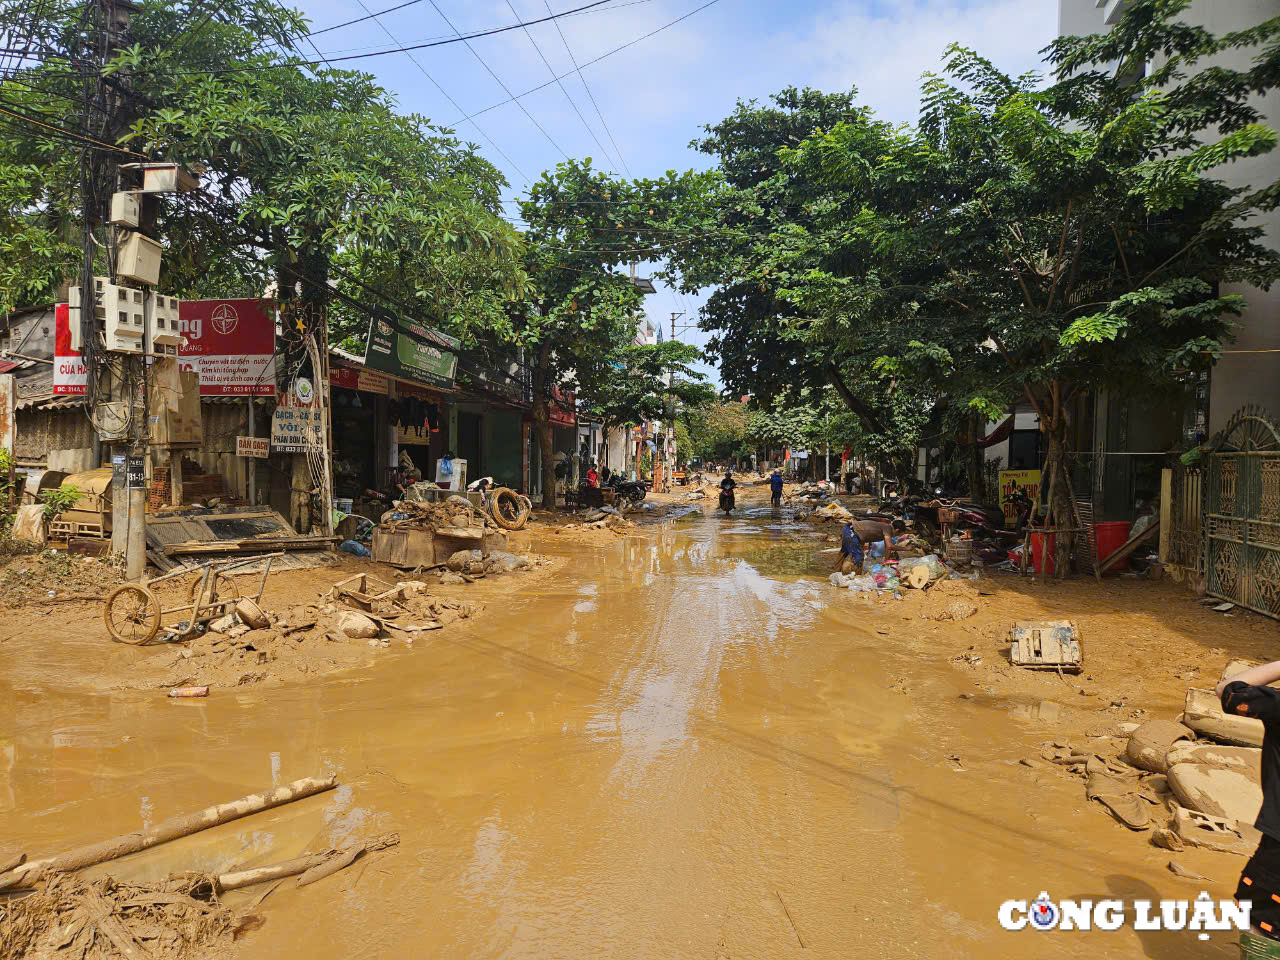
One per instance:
[(510, 510)]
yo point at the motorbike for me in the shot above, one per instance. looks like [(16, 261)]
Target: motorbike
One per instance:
[(726, 501), (631, 492)]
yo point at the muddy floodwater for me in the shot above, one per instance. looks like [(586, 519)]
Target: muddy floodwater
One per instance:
[(684, 745)]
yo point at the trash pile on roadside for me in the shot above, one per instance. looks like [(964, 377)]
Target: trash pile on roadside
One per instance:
[(1194, 780), (919, 573), (602, 518), (249, 645)]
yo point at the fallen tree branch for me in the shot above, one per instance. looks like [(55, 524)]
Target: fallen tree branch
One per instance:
[(171, 829)]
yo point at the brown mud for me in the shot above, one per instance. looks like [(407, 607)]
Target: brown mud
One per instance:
[(679, 742)]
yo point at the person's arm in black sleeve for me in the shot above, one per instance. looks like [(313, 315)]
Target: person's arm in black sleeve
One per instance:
[(1247, 694)]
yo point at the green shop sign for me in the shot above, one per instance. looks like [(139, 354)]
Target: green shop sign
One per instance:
[(426, 357)]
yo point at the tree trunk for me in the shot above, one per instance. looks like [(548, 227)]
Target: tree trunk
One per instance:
[(977, 462), (870, 422)]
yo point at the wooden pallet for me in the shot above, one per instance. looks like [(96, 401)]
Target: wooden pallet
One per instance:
[(66, 529), (1046, 645), (61, 530)]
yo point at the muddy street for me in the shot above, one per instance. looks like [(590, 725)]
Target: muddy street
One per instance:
[(681, 744)]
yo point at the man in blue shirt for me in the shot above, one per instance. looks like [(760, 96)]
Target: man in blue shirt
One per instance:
[(775, 485)]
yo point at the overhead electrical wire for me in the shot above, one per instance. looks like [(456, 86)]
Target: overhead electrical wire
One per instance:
[(550, 69), (606, 54), (506, 89), (460, 38), (434, 82), (599, 113)]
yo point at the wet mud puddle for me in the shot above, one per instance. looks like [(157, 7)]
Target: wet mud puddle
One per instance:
[(687, 746)]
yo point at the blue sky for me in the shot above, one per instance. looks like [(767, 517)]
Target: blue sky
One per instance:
[(656, 94)]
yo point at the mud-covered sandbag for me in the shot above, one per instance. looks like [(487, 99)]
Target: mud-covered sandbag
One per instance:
[(1149, 745), (463, 559)]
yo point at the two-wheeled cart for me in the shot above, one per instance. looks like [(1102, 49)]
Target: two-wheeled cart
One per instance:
[(133, 613)]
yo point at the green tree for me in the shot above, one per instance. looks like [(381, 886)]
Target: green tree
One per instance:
[(1082, 237), (718, 431), (579, 306), (641, 382)]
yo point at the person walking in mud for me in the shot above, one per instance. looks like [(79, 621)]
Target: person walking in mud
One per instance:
[(775, 488), (1248, 694)]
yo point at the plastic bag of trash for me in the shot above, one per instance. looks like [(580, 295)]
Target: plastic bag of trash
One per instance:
[(838, 579), (931, 563), (861, 584), (891, 584)]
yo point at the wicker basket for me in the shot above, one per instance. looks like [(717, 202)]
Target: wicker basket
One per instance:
[(948, 514)]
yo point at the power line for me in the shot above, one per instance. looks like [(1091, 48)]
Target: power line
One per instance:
[(551, 70), (604, 123), (445, 93), (505, 88), (458, 38), (370, 46), (609, 53)]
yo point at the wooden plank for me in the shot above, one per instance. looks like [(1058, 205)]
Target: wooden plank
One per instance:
[(247, 546), (1130, 545)]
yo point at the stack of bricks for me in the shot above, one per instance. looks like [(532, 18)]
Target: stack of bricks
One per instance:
[(159, 487)]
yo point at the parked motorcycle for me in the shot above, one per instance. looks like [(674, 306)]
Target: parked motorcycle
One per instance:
[(627, 492)]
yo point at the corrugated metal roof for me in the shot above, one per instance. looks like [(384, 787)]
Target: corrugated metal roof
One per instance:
[(49, 402)]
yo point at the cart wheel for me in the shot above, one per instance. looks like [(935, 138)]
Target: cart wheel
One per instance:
[(215, 593), (132, 614)]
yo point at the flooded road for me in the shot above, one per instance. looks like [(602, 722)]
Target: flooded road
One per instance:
[(689, 745)]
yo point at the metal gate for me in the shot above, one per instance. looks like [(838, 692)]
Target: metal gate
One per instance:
[(1242, 512)]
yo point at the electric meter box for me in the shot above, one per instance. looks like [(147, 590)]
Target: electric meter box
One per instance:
[(125, 209), (105, 296), (126, 320), (139, 259), (166, 333)]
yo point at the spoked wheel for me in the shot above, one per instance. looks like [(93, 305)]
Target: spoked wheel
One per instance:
[(132, 614), (227, 584)]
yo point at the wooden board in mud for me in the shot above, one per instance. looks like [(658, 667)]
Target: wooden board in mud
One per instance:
[(1046, 645)]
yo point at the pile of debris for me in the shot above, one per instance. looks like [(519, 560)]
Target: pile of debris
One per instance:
[(919, 573), (455, 512), (250, 645), (1193, 781), (49, 911), (601, 518)]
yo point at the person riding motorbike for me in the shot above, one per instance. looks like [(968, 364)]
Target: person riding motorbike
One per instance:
[(726, 492)]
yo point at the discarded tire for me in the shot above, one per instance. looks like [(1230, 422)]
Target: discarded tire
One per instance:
[(510, 510)]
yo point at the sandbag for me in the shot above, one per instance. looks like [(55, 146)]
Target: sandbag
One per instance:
[(1149, 744), (357, 626), (28, 525)]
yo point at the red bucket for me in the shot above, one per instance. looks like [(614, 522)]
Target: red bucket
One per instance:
[(1042, 552), (1110, 536)]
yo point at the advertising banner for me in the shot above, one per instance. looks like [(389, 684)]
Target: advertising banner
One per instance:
[(370, 381), (1015, 481), (69, 373), (231, 344), (426, 357)]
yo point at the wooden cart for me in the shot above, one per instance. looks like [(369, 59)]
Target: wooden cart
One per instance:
[(133, 613)]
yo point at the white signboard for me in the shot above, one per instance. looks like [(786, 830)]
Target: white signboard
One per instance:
[(253, 447), (293, 423)]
